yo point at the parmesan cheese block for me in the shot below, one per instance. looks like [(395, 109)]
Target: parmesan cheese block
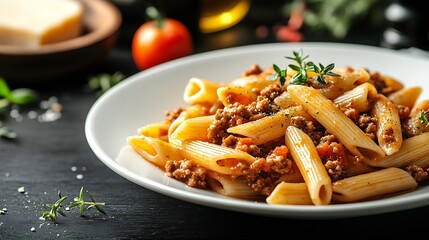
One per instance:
[(33, 23)]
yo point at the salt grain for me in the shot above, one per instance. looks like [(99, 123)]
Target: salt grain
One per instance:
[(49, 116), (32, 114), (21, 190), (33, 229), (79, 176)]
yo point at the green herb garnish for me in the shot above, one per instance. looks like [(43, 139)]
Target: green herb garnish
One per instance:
[(302, 68), (19, 96), (6, 132), (52, 209), (103, 82), (78, 201), (423, 118)]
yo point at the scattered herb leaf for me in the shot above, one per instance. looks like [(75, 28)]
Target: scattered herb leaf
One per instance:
[(102, 82), (6, 132), (57, 207), (53, 209), (302, 68), (78, 201), (19, 96)]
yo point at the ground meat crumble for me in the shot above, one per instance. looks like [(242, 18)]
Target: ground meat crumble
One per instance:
[(185, 171)]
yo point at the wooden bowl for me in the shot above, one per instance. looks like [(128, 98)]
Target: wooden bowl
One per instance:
[(21, 66)]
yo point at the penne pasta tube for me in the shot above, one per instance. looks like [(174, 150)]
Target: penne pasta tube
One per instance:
[(154, 150), (200, 90), (229, 95), (307, 159), (358, 97), (156, 130), (391, 82), (256, 82), (406, 96), (231, 186), (389, 129), (337, 86), (414, 126), (290, 193), (284, 100), (192, 128), (414, 151), (215, 157), (190, 112), (335, 121), (269, 128), (373, 184)]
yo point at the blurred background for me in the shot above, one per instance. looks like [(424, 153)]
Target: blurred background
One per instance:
[(387, 23)]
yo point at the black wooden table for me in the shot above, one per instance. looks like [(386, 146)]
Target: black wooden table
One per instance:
[(48, 157)]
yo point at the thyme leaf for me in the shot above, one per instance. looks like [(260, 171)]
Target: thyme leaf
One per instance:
[(302, 68), (423, 117)]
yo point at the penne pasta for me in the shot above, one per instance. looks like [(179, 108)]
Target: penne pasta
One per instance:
[(406, 96), (269, 128), (254, 82), (200, 90), (192, 128), (391, 82), (155, 130), (414, 151), (229, 95), (154, 150), (284, 100), (337, 86), (190, 112), (310, 165), (290, 193), (359, 97), (389, 131), (373, 184), (217, 158), (231, 186), (414, 125)]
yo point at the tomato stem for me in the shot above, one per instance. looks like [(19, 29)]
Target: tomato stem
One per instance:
[(155, 15)]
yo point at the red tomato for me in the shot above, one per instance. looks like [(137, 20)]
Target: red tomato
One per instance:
[(153, 45)]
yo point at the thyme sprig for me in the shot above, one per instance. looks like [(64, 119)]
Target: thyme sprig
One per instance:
[(57, 208), (423, 117), (302, 68), (78, 201)]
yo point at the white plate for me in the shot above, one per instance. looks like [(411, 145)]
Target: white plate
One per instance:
[(144, 97)]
